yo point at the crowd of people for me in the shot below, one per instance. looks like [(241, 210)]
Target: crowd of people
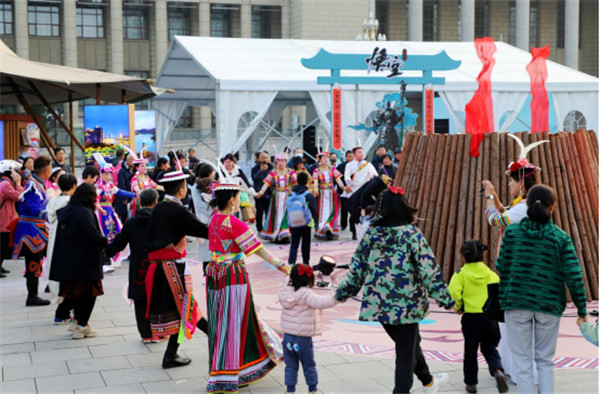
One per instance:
[(71, 232)]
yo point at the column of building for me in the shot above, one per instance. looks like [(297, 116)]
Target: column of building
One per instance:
[(571, 34), (21, 29), (522, 25), (69, 45), (467, 20), (246, 19), (204, 24), (116, 36), (161, 33), (415, 20)]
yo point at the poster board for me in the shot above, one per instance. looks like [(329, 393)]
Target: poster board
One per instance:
[(106, 129), (145, 135)]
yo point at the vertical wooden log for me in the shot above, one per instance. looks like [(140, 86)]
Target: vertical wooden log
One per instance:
[(437, 231), (453, 196), (441, 239), (430, 196)]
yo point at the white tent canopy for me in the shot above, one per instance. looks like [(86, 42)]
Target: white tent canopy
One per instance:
[(234, 76)]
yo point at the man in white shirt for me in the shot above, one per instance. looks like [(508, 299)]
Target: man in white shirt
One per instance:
[(357, 173)]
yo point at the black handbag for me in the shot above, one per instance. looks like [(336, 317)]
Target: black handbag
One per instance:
[(492, 305)]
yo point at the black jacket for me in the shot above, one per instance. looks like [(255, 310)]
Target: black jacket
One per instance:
[(310, 199), (78, 245), (124, 183), (258, 177), (134, 233), (169, 223)]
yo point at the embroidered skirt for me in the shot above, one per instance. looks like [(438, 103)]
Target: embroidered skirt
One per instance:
[(276, 227), (242, 349)]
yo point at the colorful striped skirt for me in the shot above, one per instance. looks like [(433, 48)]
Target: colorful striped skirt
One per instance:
[(242, 349), (276, 227), (328, 215)]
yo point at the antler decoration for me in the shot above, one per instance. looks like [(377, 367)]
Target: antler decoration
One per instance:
[(224, 173), (358, 142), (132, 153), (99, 159), (523, 150)]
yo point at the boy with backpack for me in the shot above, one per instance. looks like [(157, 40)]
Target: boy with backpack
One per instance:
[(301, 207)]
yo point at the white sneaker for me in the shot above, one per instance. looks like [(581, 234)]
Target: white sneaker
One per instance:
[(107, 269), (439, 379)]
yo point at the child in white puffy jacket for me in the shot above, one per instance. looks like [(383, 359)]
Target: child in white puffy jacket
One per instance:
[(300, 321)]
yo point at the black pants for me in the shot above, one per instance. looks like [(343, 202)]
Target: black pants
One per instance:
[(83, 308), (262, 205), (143, 324), (173, 346), (343, 213), (5, 250), (409, 356), (33, 269), (297, 234), (480, 331), (63, 310)]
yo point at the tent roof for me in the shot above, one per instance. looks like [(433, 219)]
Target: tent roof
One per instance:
[(274, 65), (55, 82)]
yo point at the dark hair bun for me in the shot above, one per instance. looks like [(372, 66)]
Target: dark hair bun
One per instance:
[(473, 250)]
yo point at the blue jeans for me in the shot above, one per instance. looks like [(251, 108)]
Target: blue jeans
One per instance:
[(299, 350)]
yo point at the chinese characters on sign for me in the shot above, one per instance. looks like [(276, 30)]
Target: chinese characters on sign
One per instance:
[(381, 61), (428, 111), (336, 115)]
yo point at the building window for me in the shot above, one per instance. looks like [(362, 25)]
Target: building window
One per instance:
[(220, 20), (430, 20), (560, 24), (186, 119), (179, 20), (533, 24), (512, 22), (261, 22), (90, 19), (574, 121), (44, 19), (482, 19), (6, 18), (381, 14), (135, 22)]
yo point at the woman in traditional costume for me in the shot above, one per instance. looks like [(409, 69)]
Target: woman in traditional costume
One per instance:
[(141, 180), (110, 224), (282, 179), (242, 349), (324, 178)]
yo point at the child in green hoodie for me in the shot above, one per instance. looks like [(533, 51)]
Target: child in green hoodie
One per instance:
[(468, 287)]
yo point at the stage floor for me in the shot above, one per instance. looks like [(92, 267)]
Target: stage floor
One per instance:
[(343, 333)]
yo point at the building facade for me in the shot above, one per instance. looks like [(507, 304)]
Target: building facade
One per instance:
[(132, 36)]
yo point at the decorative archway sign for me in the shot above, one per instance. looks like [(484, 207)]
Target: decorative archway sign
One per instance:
[(378, 61)]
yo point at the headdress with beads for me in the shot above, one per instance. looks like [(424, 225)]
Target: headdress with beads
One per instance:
[(522, 168)]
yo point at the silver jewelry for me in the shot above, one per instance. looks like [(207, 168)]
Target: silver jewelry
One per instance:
[(490, 197)]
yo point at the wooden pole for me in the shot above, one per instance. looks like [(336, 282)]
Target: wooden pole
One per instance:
[(440, 196), (55, 115), (72, 132), (43, 134)]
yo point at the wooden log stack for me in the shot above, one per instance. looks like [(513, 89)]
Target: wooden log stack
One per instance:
[(442, 181)]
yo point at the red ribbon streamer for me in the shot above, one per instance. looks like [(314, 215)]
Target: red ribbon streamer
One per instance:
[(539, 96)]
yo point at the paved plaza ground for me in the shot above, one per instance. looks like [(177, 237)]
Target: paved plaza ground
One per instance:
[(37, 356)]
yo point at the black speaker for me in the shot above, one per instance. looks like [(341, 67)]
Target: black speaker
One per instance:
[(309, 142)]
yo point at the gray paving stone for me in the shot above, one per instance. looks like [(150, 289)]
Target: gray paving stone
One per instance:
[(120, 349), (69, 342), (135, 375), (125, 388), (17, 348), (46, 356), (371, 369), (15, 359), (18, 386), (18, 372), (98, 364), (145, 360), (70, 382), (355, 385), (193, 385)]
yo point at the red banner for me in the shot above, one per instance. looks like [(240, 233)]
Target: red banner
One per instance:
[(539, 97), (429, 111), (479, 112), (336, 117)]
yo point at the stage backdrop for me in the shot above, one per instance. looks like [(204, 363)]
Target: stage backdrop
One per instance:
[(145, 135), (107, 128)]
